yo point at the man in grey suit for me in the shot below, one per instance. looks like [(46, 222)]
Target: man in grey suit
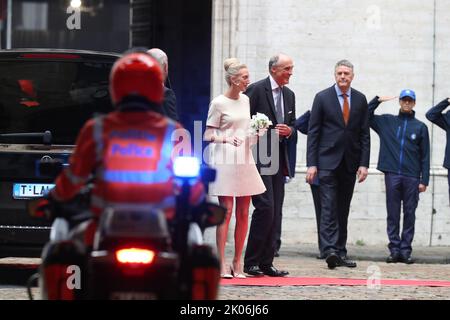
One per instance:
[(338, 149), (170, 100), (271, 97)]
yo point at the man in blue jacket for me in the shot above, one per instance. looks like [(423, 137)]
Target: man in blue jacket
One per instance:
[(442, 120), (301, 124), (404, 159)]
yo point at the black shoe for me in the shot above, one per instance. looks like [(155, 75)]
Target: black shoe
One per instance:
[(406, 259), (346, 262), (253, 271), (393, 258), (321, 256), (332, 260), (271, 271)]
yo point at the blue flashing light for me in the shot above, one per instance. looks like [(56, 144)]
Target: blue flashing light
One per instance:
[(186, 167)]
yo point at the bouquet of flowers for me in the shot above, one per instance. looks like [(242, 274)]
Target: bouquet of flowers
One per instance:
[(259, 124)]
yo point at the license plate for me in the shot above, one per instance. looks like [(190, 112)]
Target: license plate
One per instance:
[(30, 190)]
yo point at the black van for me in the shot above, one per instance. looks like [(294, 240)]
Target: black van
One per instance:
[(46, 95)]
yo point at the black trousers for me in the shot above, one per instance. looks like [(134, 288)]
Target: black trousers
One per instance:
[(315, 190), (278, 231), (401, 189), (448, 178), (266, 220), (336, 192)]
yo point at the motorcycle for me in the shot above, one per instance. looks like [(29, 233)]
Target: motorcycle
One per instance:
[(136, 254)]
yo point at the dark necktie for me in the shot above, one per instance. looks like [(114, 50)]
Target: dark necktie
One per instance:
[(345, 109), (279, 112)]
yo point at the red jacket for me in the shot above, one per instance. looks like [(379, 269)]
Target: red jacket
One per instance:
[(130, 155)]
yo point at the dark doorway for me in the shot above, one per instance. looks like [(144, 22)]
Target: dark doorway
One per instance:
[(182, 28)]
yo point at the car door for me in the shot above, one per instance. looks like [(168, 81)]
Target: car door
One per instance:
[(45, 98)]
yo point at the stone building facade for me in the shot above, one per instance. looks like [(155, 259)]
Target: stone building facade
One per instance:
[(393, 45)]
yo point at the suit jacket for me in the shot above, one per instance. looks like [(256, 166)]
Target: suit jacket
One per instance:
[(261, 100), (170, 104), (330, 140), (436, 115), (301, 124)]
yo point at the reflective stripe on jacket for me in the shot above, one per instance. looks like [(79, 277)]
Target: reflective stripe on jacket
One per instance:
[(129, 154)]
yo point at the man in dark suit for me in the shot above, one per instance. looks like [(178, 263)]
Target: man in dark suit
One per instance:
[(292, 159), (170, 100), (437, 116), (301, 124), (271, 97), (338, 148)]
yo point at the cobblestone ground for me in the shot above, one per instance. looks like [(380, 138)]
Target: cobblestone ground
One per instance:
[(300, 266), (17, 293), (303, 266)]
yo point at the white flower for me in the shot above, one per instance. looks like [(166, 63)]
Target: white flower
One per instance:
[(259, 122)]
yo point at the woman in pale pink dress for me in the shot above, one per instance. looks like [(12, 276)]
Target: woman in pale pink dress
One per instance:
[(237, 176)]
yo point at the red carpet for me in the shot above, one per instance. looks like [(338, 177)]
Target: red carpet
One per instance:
[(292, 281)]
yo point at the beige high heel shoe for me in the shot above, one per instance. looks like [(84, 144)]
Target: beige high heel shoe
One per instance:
[(226, 275), (237, 274)]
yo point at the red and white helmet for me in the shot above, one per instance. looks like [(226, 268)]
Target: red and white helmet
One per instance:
[(136, 75)]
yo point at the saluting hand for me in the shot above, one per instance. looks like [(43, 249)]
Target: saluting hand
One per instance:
[(387, 98)]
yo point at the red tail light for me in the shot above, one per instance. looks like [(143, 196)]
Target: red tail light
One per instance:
[(135, 256), (27, 87), (38, 208)]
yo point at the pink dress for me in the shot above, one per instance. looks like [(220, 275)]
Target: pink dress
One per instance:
[(237, 175)]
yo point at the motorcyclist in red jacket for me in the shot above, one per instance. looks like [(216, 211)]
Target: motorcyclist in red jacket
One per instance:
[(129, 151)]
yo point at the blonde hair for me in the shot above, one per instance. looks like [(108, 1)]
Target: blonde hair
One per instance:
[(232, 67)]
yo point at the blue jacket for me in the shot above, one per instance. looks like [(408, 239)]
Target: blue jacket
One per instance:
[(436, 116), (404, 143), (301, 124)]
